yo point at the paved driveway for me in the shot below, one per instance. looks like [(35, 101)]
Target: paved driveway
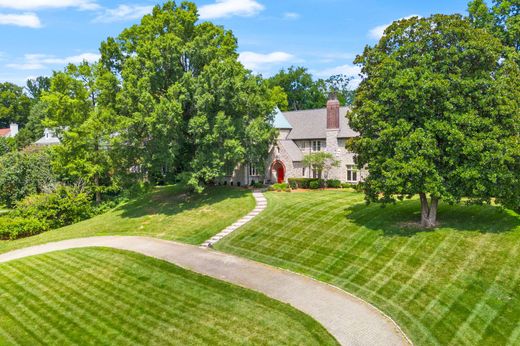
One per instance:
[(350, 320)]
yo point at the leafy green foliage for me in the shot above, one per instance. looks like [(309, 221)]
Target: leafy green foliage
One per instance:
[(37, 86), (321, 161), (304, 183), (314, 185), (65, 206), (334, 183), (186, 103), (24, 173), (304, 92), (502, 19), (77, 107), (12, 228), (14, 105), (438, 114)]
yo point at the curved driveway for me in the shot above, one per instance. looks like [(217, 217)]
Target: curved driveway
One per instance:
[(350, 320)]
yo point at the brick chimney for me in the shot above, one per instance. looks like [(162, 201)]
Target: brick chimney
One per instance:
[(333, 112)]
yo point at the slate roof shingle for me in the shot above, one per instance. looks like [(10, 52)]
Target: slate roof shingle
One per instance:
[(312, 124), (292, 149)]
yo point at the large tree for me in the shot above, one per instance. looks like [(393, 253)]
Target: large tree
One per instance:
[(15, 105), (188, 105), (502, 19), (78, 108), (438, 113)]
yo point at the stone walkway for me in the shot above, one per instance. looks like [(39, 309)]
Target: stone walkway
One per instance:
[(350, 320), (261, 204)]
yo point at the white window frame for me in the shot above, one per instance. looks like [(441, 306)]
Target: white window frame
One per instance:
[(253, 171), (352, 174), (316, 146)]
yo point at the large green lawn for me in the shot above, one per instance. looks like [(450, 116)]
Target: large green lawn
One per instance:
[(456, 285), (167, 212), (108, 297)]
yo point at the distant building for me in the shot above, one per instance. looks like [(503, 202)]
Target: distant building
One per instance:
[(9, 132), (302, 133), (49, 138)]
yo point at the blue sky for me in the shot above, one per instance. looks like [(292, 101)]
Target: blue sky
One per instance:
[(38, 36)]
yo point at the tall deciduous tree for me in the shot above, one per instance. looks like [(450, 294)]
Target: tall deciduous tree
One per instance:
[(502, 19), (438, 113), (15, 105), (188, 105), (78, 109)]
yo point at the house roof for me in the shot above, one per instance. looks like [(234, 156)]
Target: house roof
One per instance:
[(312, 124), (292, 150), (280, 121), (5, 132)]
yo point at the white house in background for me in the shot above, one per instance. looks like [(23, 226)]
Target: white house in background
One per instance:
[(301, 133), (9, 132), (49, 138)]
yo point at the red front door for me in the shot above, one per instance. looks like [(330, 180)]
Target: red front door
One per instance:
[(281, 174)]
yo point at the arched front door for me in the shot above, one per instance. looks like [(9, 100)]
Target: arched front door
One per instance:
[(278, 170)]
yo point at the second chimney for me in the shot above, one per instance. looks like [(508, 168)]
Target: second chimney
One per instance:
[(333, 112), (14, 130)]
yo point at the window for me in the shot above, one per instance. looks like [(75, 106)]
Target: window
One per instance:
[(303, 172), (316, 145), (352, 174), (302, 145), (315, 174), (253, 171)]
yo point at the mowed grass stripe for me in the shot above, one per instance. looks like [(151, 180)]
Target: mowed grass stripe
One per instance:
[(121, 295), (102, 296), (453, 285)]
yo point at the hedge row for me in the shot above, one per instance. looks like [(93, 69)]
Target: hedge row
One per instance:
[(39, 213), (312, 183)]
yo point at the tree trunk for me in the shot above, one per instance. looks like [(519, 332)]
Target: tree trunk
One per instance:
[(98, 194), (428, 211)]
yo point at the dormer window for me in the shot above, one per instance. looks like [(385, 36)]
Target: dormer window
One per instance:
[(316, 145)]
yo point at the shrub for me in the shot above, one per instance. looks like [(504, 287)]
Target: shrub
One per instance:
[(314, 185), (280, 187), (23, 174), (346, 185), (271, 188), (64, 207), (258, 185), (293, 184), (334, 183), (19, 227)]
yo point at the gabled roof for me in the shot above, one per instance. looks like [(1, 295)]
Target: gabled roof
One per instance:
[(5, 132), (292, 150), (312, 124), (280, 121)]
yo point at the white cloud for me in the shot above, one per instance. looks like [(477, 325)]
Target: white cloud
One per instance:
[(41, 61), (259, 62), (291, 15), (29, 20), (229, 8), (348, 70), (39, 4), (123, 13), (377, 32)]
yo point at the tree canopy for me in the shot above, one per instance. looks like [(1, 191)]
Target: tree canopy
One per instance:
[(502, 19), (304, 92), (15, 105), (438, 113), (186, 104)]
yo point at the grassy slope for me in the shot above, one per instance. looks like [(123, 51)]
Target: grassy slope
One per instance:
[(458, 285), (167, 213), (102, 296)]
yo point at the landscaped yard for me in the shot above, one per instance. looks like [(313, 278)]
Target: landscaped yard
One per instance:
[(102, 296), (456, 285), (168, 213)]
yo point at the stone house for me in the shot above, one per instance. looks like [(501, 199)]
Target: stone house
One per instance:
[(301, 133)]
